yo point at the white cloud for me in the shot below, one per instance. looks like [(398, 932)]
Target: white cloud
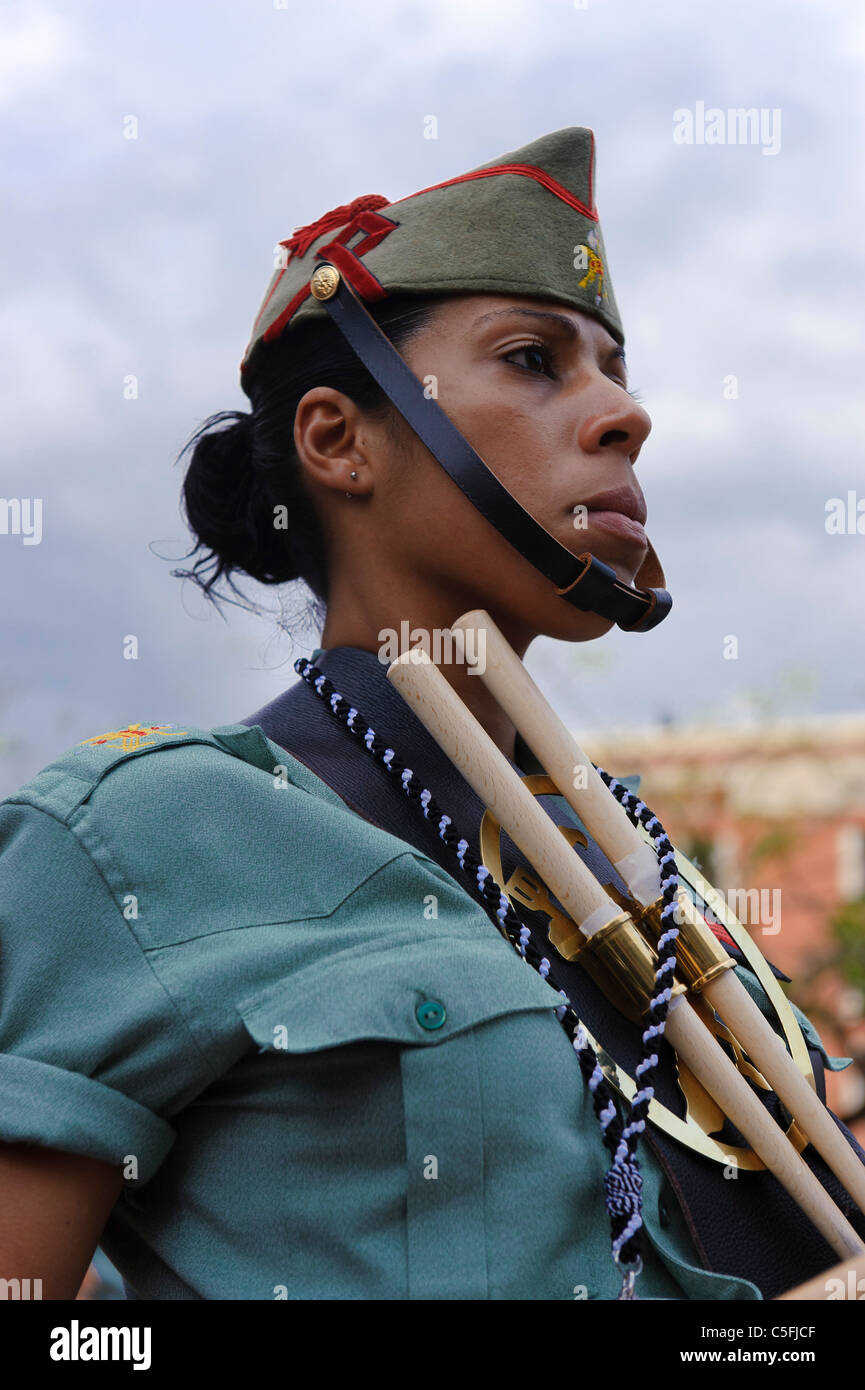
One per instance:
[(37, 44)]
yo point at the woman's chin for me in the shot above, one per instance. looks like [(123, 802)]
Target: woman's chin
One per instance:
[(624, 560), (570, 624)]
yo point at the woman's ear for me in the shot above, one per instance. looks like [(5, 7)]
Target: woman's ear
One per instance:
[(331, 447)]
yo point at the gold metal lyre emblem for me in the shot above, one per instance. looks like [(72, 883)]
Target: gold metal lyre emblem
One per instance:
[(701, 1127)]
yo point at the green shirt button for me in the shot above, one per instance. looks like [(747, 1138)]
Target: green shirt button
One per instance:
[(430, 1014)]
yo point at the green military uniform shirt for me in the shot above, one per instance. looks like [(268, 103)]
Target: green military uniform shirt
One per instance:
[(325, 1072)]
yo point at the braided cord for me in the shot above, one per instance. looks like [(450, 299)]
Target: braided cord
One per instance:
[(656, 1016), (623, 1180)]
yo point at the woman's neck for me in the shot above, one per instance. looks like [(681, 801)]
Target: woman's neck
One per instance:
[(391, 641)]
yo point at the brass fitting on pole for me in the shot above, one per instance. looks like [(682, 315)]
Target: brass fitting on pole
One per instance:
[(700, 957), (623, 964)]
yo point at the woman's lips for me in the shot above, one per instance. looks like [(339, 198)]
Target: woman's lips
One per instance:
[(618, 525)]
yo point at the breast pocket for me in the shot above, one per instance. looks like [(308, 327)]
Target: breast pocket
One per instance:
[(416, 993), (388, 1036)]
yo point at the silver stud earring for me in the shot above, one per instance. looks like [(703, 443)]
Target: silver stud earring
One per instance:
[(353, 475)]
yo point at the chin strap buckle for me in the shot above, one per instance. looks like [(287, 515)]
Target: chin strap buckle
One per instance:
[(597, 589)]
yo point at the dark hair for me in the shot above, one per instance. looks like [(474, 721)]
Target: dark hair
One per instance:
[(238, 474)]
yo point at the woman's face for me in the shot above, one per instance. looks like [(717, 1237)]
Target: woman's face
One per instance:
[(540, 392)]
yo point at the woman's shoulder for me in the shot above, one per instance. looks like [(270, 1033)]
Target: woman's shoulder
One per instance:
[(147, 794), (208, 823), (144, 760)]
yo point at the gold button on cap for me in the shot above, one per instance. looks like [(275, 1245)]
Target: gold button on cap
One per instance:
[(324, 281)]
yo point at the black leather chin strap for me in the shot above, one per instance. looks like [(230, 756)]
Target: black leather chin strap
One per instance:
[(583, 580)]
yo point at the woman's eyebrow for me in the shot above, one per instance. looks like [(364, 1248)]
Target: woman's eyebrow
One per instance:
[(570, 327)]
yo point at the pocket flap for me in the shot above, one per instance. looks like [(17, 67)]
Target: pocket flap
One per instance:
[(420, 992)]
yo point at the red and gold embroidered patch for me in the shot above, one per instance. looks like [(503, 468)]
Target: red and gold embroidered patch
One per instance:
[(594, 267), (134, 736)]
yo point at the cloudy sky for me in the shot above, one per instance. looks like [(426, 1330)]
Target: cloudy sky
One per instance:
[(149, 257)]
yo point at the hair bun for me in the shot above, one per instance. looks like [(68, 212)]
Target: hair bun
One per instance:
[(227, 507)]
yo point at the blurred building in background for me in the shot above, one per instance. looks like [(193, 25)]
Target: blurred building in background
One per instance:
[(774, 815)]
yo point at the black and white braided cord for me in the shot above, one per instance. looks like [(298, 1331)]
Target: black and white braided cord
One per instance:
[(623, 1180), (656, 1016)]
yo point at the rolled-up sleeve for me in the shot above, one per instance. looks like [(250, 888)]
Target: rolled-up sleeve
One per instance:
[(94, 1057)]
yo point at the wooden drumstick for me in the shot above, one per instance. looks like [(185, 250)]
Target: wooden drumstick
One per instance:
[(564, 761), (485, 768)]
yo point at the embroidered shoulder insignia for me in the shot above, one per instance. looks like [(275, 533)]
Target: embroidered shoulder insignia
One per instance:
[(134, 736)]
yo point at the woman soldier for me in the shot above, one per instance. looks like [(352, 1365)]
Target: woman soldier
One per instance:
[(256, 1012)]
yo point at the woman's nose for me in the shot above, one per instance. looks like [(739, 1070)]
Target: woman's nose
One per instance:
[(618, 423)]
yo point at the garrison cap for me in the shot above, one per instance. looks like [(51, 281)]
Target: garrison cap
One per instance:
[(523, 224)]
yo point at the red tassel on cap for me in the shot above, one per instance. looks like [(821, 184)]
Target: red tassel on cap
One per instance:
[(302, 237)]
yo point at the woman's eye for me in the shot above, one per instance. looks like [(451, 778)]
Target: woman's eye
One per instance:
[(537, 351)]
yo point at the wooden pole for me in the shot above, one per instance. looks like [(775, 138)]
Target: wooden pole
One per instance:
[(486, 769), (561, 756)]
